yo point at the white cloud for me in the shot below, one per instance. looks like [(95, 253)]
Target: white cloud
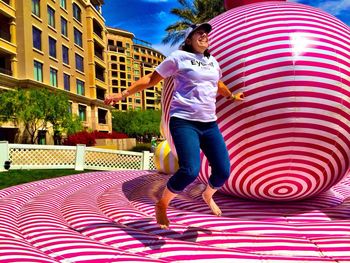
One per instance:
[(162, 15), (335, 7), (165, 49)]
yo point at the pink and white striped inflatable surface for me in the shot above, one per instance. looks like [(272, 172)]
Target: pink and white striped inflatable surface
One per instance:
[(289, 139), (105, 217)]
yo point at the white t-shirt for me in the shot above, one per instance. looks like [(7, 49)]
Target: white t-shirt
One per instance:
[(195, 85)]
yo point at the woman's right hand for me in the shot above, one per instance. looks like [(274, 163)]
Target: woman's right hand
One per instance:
[(113, 99)]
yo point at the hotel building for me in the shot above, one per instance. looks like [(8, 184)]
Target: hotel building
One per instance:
[(65, 44), (128, 60)]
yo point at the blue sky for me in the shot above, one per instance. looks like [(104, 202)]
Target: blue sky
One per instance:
[(147, 19)]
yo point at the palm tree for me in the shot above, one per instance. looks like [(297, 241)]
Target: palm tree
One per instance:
[(191, 12)]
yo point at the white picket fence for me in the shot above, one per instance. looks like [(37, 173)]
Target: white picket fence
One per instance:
[(80, 157)]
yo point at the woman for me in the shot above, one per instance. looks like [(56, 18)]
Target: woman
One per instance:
[(192, 124)]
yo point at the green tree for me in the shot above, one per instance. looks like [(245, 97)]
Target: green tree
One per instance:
[(59, 116), (35, 109), (137, 123), (191, 12)]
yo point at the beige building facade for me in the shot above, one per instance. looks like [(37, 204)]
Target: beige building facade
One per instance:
[(129, 59), (66, 45)]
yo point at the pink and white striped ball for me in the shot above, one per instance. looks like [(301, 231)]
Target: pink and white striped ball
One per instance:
[(290, 138)]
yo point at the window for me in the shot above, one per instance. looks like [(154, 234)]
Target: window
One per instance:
[(64, 27), (53, 77), (66, 81), (78, 37), (42, 137), (80, 87), (38, 71), (122, 59), (82, 112), (65, 54), (63, 4), (79, 62), (51, 16), (76, 12), (36, 38), (52, 47), (36, 7), (70, 107)]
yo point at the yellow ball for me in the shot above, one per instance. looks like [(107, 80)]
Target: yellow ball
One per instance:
[(164, 160)]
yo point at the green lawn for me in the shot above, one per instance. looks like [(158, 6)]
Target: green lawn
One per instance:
[(15, 177)]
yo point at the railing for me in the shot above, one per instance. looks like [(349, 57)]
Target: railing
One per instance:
[(80, 157), (116, 49), (6, 71)]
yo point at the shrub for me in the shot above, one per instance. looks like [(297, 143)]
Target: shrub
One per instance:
[(141, 147), (83, 137)]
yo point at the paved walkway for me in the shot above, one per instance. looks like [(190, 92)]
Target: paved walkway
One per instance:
[(109, 217)]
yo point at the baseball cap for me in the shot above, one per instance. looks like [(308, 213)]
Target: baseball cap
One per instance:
[(206, 26)]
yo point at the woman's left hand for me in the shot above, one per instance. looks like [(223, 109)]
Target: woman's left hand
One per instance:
[(236, 96)]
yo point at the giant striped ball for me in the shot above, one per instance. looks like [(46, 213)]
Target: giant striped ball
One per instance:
[(290, 138)]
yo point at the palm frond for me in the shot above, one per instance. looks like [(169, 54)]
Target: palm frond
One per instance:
[(191, 12)]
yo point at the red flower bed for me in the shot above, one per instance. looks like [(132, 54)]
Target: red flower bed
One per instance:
[(89, 138), (113, 135)]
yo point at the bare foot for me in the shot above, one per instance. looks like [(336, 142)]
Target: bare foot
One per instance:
[(212, 205), (161, 216)]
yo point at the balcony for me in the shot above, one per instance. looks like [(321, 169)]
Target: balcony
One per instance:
[(5, 71), (5, 64), (7, 9), (116, 49), (100, 93), (97, 5), (98, 50), (98, 29), (147, 65), (99, 73), (5, 28)]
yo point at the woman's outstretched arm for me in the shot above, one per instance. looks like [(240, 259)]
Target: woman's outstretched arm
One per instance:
[(145, 82)]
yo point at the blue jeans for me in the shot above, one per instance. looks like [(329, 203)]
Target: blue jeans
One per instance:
[(189, 137)]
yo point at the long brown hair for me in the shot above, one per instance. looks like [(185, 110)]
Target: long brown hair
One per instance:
[(188, 48)]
